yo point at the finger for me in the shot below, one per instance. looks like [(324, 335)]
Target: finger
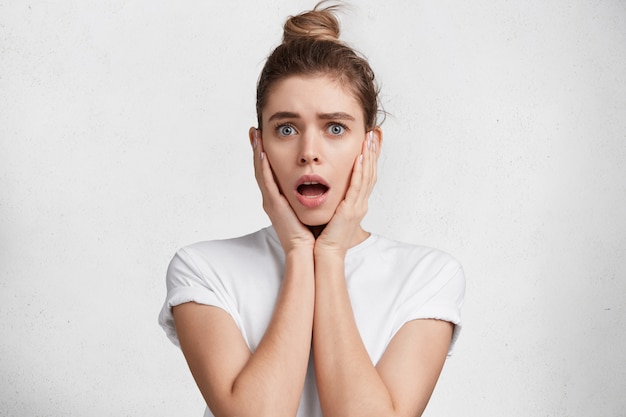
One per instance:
[(356, 180), (257, 148), (367, 170), (263, 170), (360, 186), (370, 160), (273, 198), (373, 162), (267, 175)]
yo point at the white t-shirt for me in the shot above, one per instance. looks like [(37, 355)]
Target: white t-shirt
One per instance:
[(390, 283)]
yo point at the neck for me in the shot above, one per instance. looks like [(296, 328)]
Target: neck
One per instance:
[(317, 230), (360, 236)]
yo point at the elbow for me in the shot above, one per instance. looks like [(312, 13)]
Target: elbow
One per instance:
[(250, 408)]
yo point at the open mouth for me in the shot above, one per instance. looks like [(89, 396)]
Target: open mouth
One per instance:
[(311, 189)]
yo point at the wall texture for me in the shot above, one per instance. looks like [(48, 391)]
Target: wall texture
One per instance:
[(123, 136)]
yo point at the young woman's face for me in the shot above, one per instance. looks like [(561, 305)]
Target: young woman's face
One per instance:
[(313, 131)]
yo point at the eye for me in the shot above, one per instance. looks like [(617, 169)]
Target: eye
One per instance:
[(286, 130), (336, 129)]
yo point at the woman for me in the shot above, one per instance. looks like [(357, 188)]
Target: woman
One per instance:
[(314, 316)]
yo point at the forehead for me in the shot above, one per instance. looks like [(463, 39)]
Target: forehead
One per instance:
[(310, 95)]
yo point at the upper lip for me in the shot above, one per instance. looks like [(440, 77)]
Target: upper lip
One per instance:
[(311, 178)]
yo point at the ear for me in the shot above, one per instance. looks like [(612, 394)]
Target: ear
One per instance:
[(254, 134)]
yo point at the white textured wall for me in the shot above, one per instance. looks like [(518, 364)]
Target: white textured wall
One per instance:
[(123, 136)]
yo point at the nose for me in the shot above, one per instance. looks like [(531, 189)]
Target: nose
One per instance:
[(309, 150)]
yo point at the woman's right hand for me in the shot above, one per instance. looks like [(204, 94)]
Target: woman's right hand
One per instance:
[(291, 232)]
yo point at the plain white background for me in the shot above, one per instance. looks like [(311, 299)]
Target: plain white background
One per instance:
[(123, 134)]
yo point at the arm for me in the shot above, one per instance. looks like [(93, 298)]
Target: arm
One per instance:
[(268, 381), (348, 382)]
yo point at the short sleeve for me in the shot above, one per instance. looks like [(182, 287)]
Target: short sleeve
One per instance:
[(440, 298), (185, 283)]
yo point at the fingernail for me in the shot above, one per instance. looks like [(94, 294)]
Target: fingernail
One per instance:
[(361, 159), (374, 147), (369, 142), (262, 155)]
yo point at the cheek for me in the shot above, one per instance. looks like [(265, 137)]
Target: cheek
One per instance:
[(279, 169), (345, 164), (351, 155), (277, 152)]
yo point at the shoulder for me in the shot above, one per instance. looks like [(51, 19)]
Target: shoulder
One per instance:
[(251, 244), (409, 255), (431, 283), (416, 269), (206, 258)]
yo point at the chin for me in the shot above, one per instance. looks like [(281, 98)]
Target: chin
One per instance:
[(314, 219)]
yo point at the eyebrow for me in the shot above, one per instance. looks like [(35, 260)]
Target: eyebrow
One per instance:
[(337, 116), (324, 116), (284, 115)]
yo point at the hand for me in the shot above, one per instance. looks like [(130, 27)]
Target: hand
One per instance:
[(344, 229), (291, 232)]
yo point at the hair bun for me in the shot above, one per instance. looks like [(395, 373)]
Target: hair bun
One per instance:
[(317, 24)]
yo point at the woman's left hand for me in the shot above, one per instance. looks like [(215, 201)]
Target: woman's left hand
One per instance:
[(344, 227)]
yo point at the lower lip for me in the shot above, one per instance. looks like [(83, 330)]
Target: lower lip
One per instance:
[(312, 202)]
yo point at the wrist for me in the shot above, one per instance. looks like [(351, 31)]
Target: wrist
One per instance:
[(300, 253), (329, 255)]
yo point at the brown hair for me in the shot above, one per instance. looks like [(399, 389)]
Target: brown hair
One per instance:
[(311, 46)]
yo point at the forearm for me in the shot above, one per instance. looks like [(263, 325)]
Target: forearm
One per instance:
[(348, 383), (268, 381), (272, 380)]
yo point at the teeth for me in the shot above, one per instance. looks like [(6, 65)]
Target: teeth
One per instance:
[(310, 183)]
